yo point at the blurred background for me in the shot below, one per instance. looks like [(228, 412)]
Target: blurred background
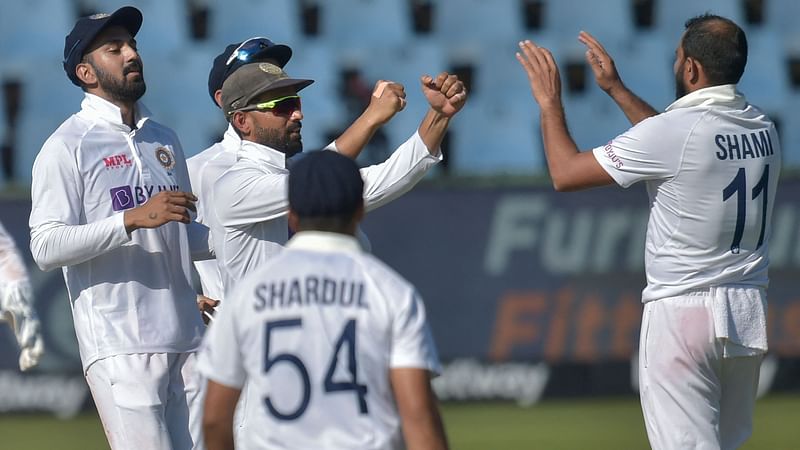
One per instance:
[(533, 296)]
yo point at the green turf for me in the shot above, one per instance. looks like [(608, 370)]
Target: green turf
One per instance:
[(611, 424)]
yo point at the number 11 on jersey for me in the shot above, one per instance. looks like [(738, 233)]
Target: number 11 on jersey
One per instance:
[(739, 187)]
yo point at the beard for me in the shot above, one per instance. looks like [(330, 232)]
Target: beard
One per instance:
[(122, 90), (282, 140)]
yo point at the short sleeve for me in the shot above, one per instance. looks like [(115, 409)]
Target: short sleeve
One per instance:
[(220, 358), (651, 150), (412, 341)]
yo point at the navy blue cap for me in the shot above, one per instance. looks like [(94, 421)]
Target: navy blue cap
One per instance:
[(324, 184), (87, 28), (263, 50)]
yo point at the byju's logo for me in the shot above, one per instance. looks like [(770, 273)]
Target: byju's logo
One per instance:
[(122, 198)]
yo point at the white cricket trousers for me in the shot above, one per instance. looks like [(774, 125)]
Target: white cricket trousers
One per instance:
[(148, 400), (692, 397)]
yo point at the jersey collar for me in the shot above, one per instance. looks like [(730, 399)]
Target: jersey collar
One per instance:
[(100, 108), (723, 95), (261, 154), (324, 241), (230, 140)]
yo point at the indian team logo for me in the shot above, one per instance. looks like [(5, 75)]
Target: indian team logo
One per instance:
[(99, 16), (165, 157)]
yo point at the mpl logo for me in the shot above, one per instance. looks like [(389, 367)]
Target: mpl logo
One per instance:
[(117, 161), (122, 198)]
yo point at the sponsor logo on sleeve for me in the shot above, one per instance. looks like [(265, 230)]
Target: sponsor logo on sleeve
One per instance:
[(612, 156)]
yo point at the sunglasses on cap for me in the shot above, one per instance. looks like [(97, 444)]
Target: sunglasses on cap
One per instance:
[(249, 50), (283, 106)]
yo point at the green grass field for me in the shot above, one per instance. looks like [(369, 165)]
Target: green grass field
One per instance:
[(611, 424)]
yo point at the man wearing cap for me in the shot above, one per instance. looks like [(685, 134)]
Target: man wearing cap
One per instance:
[(333, 344), (111, 200), (207, 166), (262, 103)]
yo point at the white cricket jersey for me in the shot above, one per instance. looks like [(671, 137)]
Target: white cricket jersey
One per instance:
[(251, 201), (204, 170), (128, 293), (711, 164), (314, 333)]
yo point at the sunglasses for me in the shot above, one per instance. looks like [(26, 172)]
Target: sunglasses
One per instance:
[(283, 106), (247, 51)]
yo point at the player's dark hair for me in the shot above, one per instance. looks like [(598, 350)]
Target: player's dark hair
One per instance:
[(335, 224), (719, 45)]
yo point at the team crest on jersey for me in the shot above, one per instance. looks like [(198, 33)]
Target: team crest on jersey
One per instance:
[(165, 157)]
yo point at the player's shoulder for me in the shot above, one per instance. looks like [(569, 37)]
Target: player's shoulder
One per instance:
[(68, 137), (386, 278)]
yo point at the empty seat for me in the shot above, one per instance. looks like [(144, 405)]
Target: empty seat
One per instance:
[(357, 23), (495, 138), (781, 16), (236, 20), (165, 24), (470, 21), (48, 99), (645, 65), (609, 20), (765, 81), (34, 30)]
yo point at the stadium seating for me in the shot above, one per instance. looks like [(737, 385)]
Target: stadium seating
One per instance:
[(165, 28), (610, 20), (355, 23), (32, 30), (236, 20), (671, 15), (472, 21), (765, 81), (48, 98), (781, 16)]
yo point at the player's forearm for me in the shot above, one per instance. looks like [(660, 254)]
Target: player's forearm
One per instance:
[(56, 245), (432, 130), (357, 135), (558, 145), (218, 437), (635, 109), (392, 178)]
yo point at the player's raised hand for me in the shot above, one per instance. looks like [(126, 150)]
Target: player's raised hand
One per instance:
[(388, 98), (603, 67), (164, 207), (542, 73), (446, 93)]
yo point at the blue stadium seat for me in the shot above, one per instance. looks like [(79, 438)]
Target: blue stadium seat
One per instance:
[(405, 65), (34, 30), (471, 21), (593, 123), (177, 95), (48, 98), (165, 24), (646, 67), (765, 81), (609, 20), (357, 23), (493, 137), (781, 16), (236, 20), (671, 15)]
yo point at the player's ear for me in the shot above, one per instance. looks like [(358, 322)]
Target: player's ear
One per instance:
[(294, 221), (218, 97), (239, 121), (86, 74), (693, 70)]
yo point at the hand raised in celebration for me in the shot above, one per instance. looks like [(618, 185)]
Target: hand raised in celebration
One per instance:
[(388, 98), (603, 67), (543, 75), (446, 93), (166, 206)]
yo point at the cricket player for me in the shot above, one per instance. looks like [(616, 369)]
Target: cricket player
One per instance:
[(207, 166), (333, 344), (262, 103), (15, 303), (111, 201), (710, 163)]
